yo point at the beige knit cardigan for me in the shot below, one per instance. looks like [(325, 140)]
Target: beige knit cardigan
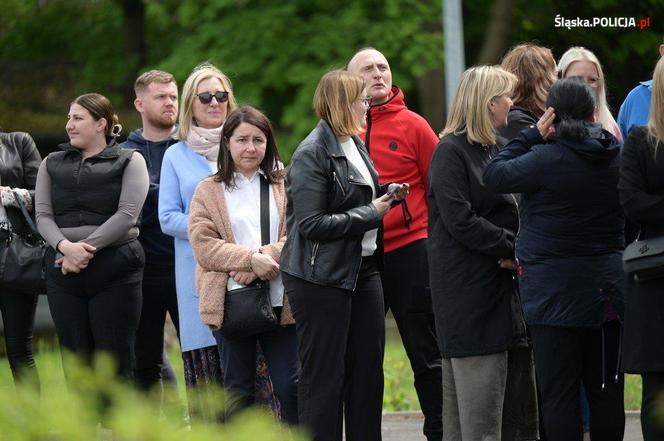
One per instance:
[(216, 253)]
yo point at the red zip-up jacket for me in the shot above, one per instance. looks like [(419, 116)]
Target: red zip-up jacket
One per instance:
[(401, 144)]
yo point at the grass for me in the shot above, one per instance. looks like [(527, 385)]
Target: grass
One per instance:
[(399, 391)]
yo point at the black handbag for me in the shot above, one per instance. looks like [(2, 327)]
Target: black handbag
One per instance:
[(248, 311), (22, 257), (645, 258)]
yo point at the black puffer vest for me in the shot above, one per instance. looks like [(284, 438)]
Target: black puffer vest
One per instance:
[(86, 192)]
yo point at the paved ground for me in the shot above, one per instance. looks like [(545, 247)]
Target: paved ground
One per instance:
[(407, 426)]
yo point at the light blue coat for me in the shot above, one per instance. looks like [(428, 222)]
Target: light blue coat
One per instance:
[(181, 171)]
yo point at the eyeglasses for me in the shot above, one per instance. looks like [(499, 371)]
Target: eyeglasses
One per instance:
[(206, 97), (366, 100)]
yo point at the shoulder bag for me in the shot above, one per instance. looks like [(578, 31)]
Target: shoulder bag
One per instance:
[(22, 257), (248, 311), (645, 258)]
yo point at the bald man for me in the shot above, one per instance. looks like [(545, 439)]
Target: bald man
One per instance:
[(401, 143)]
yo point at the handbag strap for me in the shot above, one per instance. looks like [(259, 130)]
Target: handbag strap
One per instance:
[(25, 213), (265, 211)]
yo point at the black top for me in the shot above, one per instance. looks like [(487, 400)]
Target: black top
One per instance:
[(518, 118), (158, 246), (86, 192), (641, 189), (571, 236), (470, 229)]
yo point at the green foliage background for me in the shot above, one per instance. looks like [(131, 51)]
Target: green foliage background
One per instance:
[(275, 51)]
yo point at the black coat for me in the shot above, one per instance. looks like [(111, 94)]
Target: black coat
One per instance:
[(329, 209), (19, 163), (470, 229), (571, 238), (642, 196), (518, 119)]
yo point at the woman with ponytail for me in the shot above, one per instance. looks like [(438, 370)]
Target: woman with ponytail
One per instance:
[(569, 252), (88, 199)]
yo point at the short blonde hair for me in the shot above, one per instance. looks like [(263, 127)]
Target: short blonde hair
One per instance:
[(578, 53), (200, 73), (152, 76), (470, 109), (656, 117), (333, 101)]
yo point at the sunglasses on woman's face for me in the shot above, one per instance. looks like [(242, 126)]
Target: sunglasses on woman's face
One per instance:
[(206, 97)]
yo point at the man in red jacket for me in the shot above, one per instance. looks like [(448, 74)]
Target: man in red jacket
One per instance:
[(401, 144)]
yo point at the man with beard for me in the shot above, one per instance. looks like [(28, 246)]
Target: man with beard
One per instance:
[(401, 144), (157, 102)]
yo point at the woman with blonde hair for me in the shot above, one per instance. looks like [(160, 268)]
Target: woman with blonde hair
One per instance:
[(330, 266), (580, 62), (535, 69), (641, 189), (488, 378), (207, 98)]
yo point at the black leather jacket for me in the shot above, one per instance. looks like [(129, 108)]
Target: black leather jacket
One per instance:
[(329, 210), (19, 162)]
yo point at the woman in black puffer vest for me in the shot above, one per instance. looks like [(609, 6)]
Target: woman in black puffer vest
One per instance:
[(89, 197)]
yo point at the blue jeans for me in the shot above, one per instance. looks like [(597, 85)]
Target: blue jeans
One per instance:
[(238, 358)]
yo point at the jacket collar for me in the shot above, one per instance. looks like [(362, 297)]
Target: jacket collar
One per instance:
[(334, 149), (395, 103), (331, 142), (112, 150)]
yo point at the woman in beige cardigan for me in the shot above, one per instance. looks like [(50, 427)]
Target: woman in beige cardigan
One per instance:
[(225, 235)]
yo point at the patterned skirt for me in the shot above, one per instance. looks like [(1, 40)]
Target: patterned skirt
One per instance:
[(203, 377)]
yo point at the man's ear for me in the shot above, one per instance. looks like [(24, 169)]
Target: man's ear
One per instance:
[(138, 104), (661, 50)]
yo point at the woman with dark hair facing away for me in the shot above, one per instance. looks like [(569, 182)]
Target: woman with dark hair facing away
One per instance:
[(535, 69), (19, 162), (641, 189), (488, 379), (89, 197), (330, 266), (569, 250), (225, 235)]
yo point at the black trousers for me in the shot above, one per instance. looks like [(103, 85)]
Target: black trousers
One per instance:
[(651, 425), (406, 290), (238, 359), (97, 310), (341, 341), (18, 318), (159, 297), (564, 357)]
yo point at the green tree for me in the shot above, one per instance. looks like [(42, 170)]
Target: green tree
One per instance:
[(275, 52)]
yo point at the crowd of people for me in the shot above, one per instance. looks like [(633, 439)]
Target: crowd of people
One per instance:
[(497, 247)]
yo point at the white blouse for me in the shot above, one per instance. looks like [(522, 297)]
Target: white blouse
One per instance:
[(353, 155), (243, 205)]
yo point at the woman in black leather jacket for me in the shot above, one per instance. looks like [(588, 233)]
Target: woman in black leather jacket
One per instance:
[(330, 264), (19, 162)]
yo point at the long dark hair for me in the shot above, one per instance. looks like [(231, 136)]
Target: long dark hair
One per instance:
[(574, 103), (225, 164)]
